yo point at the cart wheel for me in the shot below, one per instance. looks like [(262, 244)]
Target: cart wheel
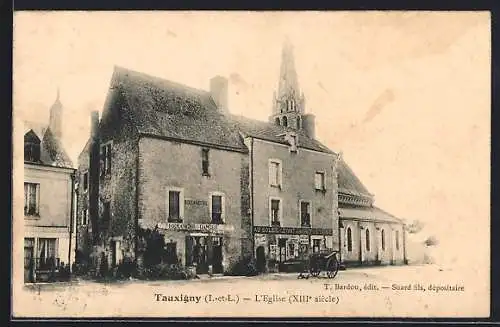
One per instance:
[(332, 267), (315, 270)]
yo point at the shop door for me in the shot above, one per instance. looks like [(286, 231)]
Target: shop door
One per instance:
[(282, 249), (217, 255), (113, 254), (261, 259), (200, 254)]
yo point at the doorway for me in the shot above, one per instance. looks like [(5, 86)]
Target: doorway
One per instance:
[(217, 245), (199, 256), (282, 249), (261, 259)]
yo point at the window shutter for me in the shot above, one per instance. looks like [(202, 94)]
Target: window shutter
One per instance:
[(271, 175), (223, 208), (37, 203)]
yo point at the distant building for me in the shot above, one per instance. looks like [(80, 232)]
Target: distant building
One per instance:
[(368, 234), (218, 188), (48, 198)]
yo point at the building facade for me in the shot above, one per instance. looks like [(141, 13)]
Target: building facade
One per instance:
[(166, 162), (369, 235), (48, 199), (166, 159)]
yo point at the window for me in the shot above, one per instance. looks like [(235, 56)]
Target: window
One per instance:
[(106, 213), (105, 159), (277, 121), (367, 240), (382, 237), (349, 239), (217, 205), (316, 245), (305, 214), (275, 172), (319, 181), (397, 240), (298, 123), (47, 253), (31, 147), (275, 212), (204, 162), (31, 199), (175, 205), (285, 121), (85, 217), (85, 181), (292, 140)]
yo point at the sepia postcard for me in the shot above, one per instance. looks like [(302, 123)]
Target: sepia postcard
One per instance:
[(251, 164)]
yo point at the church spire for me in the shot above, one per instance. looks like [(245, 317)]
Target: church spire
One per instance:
[(288, 83), (288, 108), (55, 121)]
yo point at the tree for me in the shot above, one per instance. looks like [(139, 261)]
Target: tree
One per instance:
[(431, 241), (415, 227)]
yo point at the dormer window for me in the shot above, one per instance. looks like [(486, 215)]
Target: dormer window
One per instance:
[(31, 147), (291, 138)]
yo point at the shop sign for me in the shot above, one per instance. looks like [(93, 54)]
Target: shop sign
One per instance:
[(260, 239), (304, 239), (206, 228), (196, 202), (292, 230)]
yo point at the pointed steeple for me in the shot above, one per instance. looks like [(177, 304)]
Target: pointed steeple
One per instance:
[(55, 122), (288, 108), (288, 83)]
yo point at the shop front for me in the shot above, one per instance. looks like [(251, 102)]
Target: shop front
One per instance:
[(287, 249), (203, 246)]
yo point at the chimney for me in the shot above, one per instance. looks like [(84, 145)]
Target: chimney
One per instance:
[(94, 160), (219, 92), (308, 125)]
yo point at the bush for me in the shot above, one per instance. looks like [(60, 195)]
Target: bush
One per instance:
[(126, 269), (167, 271), (243, 267)]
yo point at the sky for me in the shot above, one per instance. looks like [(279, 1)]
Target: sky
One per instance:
[(404, 95)]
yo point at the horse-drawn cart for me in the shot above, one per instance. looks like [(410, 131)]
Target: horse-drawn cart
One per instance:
[(321, 261)]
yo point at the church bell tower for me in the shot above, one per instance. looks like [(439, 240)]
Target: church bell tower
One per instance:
[(289, 103), (55, 121)]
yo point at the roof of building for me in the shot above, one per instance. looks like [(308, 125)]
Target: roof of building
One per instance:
[(373, 214), (52, 152), (162, 108), (349, 183), (275, 133)]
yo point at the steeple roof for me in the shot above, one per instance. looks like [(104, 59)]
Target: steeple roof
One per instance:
[(288, 82)]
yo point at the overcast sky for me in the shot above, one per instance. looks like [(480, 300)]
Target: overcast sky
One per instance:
[(405, 96)]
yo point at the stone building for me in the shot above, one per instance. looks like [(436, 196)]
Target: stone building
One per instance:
[(48, 198), (292, 179), (162, 158), (217, 187)]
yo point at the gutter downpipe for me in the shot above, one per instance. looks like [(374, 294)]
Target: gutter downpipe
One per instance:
[(252, 198), (72, 216), (404, 244)]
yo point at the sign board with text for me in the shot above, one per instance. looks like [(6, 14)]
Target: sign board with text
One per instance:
[(292, 230), (206, 228)]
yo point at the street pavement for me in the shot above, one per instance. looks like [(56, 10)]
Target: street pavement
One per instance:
[(353, 291)]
